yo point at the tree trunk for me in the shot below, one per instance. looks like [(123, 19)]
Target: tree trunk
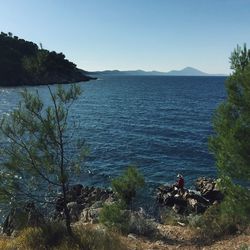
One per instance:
[(67, 219), (66, 211)]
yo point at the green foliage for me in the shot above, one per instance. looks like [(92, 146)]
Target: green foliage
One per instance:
[(117, 218), (112, 216), (34, 156), (231, 215), (231, 147), (231, 142), (244, 247), (126, 185), (240, 58), (169, 217)]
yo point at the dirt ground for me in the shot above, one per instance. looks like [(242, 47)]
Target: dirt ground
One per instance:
[(177, 237)]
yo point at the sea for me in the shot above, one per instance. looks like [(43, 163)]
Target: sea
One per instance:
[(161, 124)]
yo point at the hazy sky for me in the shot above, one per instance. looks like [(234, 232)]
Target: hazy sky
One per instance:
[(133, 34)]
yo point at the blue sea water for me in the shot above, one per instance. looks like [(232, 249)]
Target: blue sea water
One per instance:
[(159, 123)]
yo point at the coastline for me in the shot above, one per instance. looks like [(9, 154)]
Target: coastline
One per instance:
[(49, 82)]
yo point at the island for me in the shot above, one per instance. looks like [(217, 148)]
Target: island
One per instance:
[(187, 71)]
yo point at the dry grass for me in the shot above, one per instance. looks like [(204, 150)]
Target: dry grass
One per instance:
[(86, 237), (95, 237), (185, 238)]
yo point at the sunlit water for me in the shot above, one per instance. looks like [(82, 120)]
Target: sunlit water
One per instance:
[(160, 124)]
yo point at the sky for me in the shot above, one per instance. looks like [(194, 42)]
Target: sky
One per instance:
[(158, 35)]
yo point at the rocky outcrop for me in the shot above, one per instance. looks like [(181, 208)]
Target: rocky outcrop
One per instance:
[(208, 189), (20, 217), (190, 201), (91, 214), (139, 223), (81, 198)]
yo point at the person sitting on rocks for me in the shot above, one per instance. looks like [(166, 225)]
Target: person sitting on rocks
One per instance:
[(180, 182)]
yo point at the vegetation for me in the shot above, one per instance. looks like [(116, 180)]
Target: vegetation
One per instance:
[(113, 217), (24, 63), (126, 185), (230, 216), (35, 165), (231, 142), (116, 216), (231, 147), (55, 237)]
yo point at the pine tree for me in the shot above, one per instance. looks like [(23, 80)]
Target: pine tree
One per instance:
[(231, 141), (34, 162)]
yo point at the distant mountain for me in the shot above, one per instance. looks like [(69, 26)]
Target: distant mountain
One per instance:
[(128, 73), (188, 71)]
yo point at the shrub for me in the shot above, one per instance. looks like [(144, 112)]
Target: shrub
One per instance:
[(112, 216), (126, 221), (126, 185), (49, 237), (170, 217), (4, 241), (98, 239), (231, 215), (29, 238), (194, 220)]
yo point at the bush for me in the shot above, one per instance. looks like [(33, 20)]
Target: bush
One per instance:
[(115, 217), (85, 237), (170, 217), (232, 215), (194, 220), (4, 242), (126, 185), (112, 216), (29, 238), (98, 239)]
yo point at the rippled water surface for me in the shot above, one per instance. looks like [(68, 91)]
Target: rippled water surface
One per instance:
[(161, 124)]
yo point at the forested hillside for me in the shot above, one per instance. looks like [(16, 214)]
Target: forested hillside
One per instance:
[(24, 63)]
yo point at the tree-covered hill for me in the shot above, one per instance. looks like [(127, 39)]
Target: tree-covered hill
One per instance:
[(24, 63)]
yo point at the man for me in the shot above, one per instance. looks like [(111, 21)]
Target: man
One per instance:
[(180, 182)]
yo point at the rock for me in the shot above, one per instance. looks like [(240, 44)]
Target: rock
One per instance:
[(132, 236), (139, 223), (207, 188), (97, 204), (186, 201), (181, 223), (20, 217), (213, 196), (35, 218), (90, 215), (74, 211), (77, 189), (80, 198)]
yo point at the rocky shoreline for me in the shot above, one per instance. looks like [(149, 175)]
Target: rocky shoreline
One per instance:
[(187, 201), (85, 204)]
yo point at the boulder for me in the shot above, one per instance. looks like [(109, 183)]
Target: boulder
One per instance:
[(90, 215), (207, 188), (138, 222), (188, 201), (74, 211), (80, 198), (20, 217)]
